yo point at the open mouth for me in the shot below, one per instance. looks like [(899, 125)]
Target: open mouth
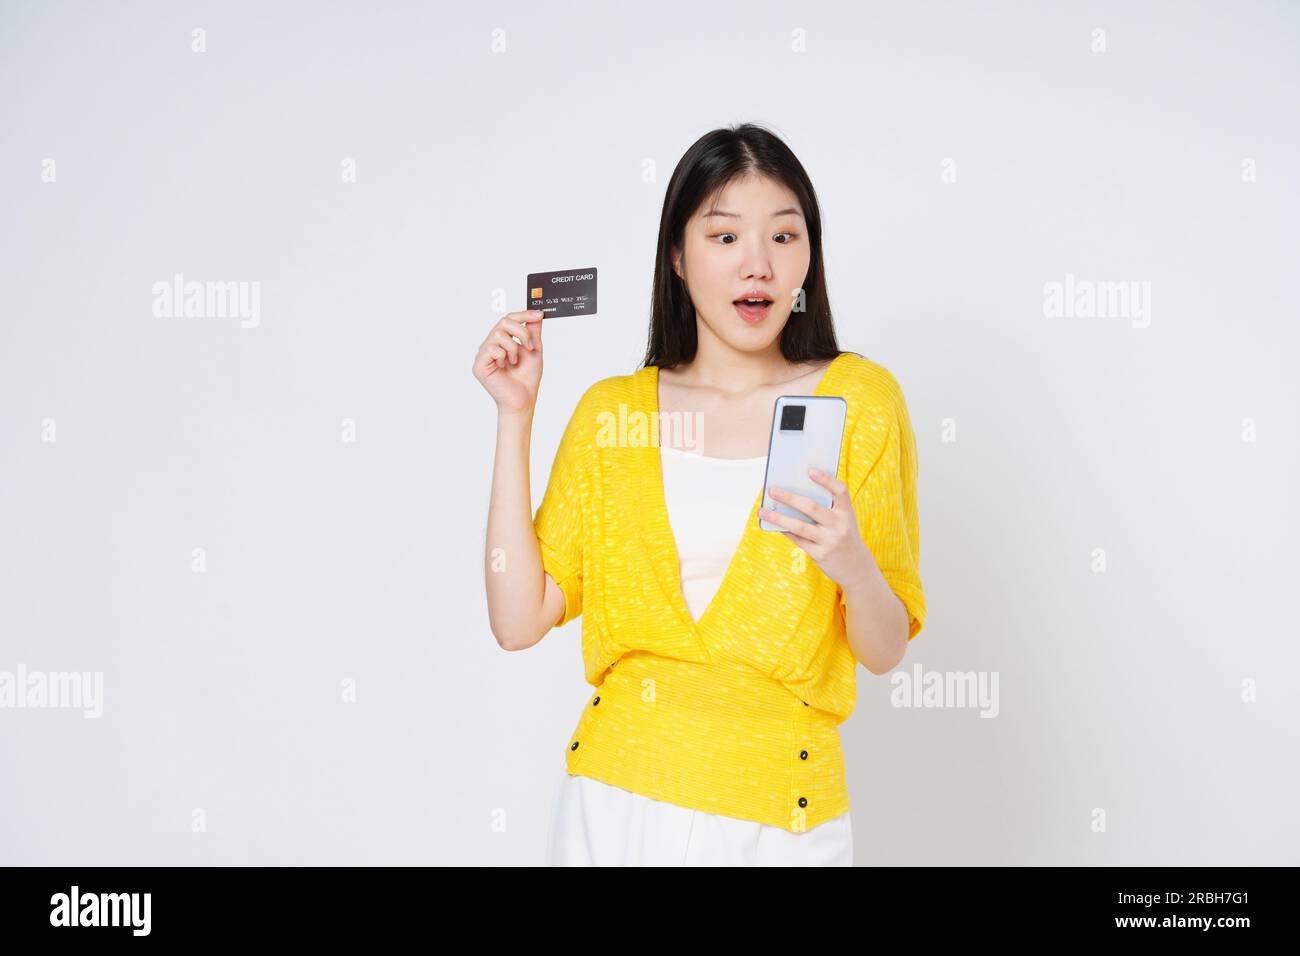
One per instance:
[(753, 309)]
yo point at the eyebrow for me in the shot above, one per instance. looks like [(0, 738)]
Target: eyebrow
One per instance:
[(787, 211)]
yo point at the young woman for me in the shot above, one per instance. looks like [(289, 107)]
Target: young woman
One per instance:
[(723, 655)]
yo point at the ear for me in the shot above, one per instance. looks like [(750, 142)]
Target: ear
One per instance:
[(676, 257)]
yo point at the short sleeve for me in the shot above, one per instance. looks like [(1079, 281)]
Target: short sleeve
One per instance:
[(559, 522), (886, 509)]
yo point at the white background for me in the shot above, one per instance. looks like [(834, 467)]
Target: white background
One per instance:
[(327, 561)]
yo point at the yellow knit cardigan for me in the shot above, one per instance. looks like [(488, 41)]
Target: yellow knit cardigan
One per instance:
[(736, 713)]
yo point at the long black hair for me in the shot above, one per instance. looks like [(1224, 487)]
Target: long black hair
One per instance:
[(713, 161)]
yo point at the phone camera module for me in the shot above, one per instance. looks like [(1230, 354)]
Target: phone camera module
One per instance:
[(792, 418)]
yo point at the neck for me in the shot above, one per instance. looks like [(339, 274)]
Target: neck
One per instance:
[(719, 366)]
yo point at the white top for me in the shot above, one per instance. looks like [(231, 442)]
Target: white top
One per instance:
[(709, 500)]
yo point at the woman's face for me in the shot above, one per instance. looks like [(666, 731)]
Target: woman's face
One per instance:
[(750, 241)]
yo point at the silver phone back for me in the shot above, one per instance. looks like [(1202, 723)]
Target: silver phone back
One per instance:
[(807, 432)]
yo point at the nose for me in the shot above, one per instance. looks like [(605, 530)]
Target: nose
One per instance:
[(756, 264)]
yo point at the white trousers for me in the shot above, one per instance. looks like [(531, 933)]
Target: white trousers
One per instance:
[(596, 824)]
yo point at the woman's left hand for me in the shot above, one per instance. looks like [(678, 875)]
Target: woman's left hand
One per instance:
[(834, 542)]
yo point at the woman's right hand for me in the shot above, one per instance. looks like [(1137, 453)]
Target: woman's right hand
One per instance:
[(511, 372)]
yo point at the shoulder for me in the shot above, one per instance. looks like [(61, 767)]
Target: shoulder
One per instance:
[(604, 397), (610, 391), (872, 390), (877, 416)]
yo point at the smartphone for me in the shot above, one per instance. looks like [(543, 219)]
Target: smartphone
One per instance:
[(807, 432)]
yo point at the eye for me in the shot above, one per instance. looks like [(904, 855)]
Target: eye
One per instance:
[(792, 236), (721, 234)]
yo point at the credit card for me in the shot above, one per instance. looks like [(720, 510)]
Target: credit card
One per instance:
[(557, 294)]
